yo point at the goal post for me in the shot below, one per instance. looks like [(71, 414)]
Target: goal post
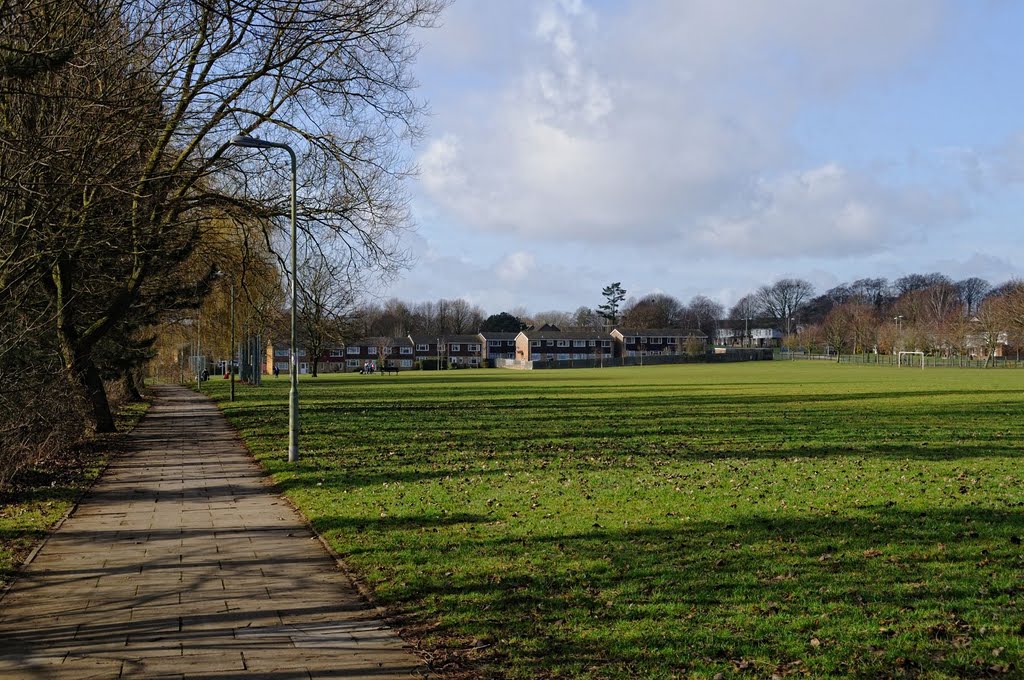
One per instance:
[(910, 359)]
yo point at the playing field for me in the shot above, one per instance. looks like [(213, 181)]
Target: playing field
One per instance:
[(749, 519)]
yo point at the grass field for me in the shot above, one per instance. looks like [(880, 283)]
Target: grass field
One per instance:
[(785, 518)]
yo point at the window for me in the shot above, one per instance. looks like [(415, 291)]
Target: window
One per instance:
[(535, 356), (473, 348), (606, 343), (352, 363), (455, 348), (473, 361), (579, 343), (535, 343), (631, 340), (406, 363), (563, 343), (353, 350), (550, 343), (371, 350), (336, 353), (494, 343), (563, 357), (281, 352), (405, 350), (592, 343), (510, 343), (422, 348)]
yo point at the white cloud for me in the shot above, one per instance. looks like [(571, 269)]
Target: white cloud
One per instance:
[(515, 267), (828, 211), (671, 121)]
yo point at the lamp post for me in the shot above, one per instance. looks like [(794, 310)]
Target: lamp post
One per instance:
[(199, 352), (231, 352), (293, 394)]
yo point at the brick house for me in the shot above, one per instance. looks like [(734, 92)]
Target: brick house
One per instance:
[(538, 345), (462, 350), (424, 347), (497, 345), (455, 350), (631, 342), (392, 351)]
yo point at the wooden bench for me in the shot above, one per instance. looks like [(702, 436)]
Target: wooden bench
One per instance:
[(387, 369)]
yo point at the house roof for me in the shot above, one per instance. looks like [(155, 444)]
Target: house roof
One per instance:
[(563, 335), (497, 335), (660, 332), (379, 341), (740, 324), (422, 339)]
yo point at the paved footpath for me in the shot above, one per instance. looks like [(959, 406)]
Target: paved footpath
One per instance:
[(181, 562)]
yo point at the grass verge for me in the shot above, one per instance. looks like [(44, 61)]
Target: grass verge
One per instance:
[(782, 518), (41, 495)]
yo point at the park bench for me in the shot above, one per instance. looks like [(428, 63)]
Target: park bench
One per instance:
[(387, 369)]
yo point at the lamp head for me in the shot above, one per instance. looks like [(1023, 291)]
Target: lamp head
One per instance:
[(250, 142)]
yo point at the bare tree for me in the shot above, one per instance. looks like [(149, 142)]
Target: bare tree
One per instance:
[(553, 317), (746, 309), (128, 135), (836, 328), (703, 313), (971, 291), (783, 299), (326, 303), (656, 310)]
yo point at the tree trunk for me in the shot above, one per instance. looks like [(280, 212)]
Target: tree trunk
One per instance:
[(130, 387), (315, 363), (84, 374)]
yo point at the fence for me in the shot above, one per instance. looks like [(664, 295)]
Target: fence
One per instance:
[(710, 356), (915, 361)]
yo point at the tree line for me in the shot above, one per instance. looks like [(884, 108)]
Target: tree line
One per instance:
[(929, 312), (123, 205)]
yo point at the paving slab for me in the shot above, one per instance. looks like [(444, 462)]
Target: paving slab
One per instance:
[(182, 562)]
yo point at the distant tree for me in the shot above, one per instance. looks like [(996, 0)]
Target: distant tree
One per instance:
[(553, 317), (836, 328), (863, 326), (502, 323), (694, 345), (745, 310), (993, 315), (464, 317), (587, 318), (784, 298), (326, 301), (703, 313), (817, 308), (613, 294), (971, 292), (874, 291), (912, 282), (656, 310)]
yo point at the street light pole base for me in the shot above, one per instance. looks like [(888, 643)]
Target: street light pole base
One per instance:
[(293, 454)]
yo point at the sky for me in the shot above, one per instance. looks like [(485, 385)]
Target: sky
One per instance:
[(708, 147)]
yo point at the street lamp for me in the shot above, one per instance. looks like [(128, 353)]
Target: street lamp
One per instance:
[(293, 394), (231, 347)]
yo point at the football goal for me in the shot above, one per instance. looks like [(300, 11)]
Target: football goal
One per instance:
[(910, 358)]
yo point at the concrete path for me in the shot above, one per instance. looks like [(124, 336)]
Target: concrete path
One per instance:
[(182, 563)]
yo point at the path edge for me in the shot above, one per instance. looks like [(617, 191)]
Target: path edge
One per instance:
[(53, 528)]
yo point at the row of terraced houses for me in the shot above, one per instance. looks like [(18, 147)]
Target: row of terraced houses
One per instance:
[(544, 344)]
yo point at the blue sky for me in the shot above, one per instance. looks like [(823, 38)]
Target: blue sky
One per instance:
[(709, 147)]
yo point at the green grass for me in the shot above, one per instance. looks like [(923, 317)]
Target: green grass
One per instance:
[(748, 519), (41, 495)]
